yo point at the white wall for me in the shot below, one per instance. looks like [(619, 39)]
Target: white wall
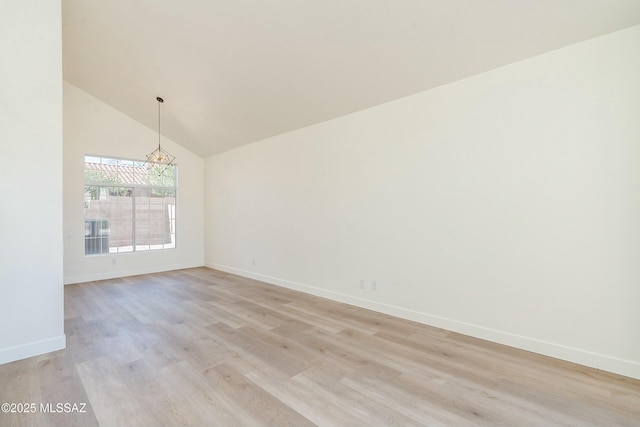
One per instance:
[(504, 206), (31, 292), (93, 127)]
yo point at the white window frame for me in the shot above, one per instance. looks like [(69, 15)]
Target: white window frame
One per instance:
[(135, 187)]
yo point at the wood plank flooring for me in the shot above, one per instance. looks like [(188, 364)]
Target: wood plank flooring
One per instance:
[(200, 347)]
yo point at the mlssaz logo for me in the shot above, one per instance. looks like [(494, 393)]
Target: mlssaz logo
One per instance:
[(66, 408)]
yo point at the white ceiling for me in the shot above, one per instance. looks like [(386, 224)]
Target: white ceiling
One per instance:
[(237, 71)]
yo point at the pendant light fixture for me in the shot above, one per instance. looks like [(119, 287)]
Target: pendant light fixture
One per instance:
[(159, 159)]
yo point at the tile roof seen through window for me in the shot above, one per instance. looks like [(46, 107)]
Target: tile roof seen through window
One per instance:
[(126, 172), (119, 174)]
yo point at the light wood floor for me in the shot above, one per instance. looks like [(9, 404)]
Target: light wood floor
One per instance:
[(200, 347)]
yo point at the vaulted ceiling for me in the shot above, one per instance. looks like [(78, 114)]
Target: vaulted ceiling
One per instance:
[(237, 71)]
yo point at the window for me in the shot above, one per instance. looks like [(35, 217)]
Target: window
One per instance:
[(128, 207)]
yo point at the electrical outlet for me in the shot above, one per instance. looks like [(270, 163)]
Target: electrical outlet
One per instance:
[(114, 261), (253, 261), (361, 283), (374, 285)]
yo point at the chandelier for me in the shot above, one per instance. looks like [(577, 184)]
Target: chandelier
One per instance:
[(159, 159)]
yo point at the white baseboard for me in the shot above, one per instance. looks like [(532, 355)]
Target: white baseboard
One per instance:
[(23, 351), (114, 274), (599, 361)]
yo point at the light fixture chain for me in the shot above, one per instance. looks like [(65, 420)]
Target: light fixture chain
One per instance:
[(160, 101)]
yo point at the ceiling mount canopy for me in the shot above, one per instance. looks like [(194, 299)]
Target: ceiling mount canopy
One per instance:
[(159, 159)]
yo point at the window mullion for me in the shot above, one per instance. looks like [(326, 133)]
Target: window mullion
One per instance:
[(133, 218)]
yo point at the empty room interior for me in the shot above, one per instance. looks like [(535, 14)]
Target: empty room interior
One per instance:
[(330, 213)]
